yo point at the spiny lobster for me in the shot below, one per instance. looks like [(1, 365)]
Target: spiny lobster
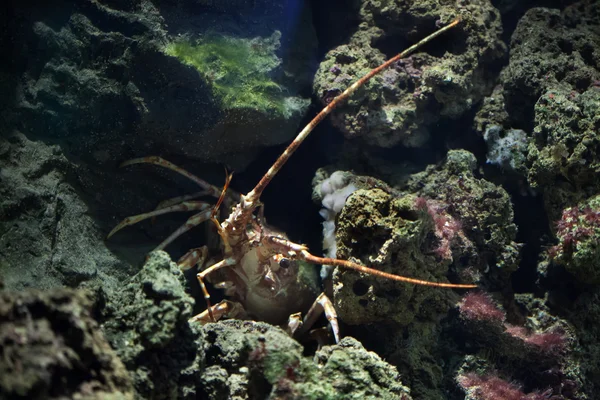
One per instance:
[(260, 264)]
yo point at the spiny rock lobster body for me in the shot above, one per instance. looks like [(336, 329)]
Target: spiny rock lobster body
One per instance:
[(260, 266)]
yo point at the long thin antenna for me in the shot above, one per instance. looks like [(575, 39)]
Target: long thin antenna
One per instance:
[(371, 271), (253, 196)]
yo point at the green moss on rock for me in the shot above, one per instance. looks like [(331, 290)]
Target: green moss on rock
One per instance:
[(238, 70), (271, 366)]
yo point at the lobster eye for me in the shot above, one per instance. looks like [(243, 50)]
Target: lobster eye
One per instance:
[(284, 263)]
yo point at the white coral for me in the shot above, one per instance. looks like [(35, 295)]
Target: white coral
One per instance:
[(334, 192)]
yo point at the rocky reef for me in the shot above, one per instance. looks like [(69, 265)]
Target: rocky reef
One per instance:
[(474, 160), (403, 103), (53, 348)]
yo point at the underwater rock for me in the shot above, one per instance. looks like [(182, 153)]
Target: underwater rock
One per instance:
[(483, 209), (550, 50), (252, 360), (564, 156), (444, 222), (405, 101), (366, 375), (578, 248), (52, 348), (45, 223), (331, 191), (390, 234), (147, 325), (536, 346), (542, 341), (586, 313), (100, 79), (550, 90), (491, 112), (383, 229), (76, 83)]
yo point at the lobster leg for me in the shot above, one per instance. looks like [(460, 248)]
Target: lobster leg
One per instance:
[(185, 206), (192, 222), (321, 305), (161, 162), (181, 199), (294, 323), (195, 256), (202, 275), (225, 308), (180, 203)]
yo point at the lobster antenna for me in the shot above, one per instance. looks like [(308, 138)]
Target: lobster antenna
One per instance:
[(253, 196), (303, 254), (371, 271)]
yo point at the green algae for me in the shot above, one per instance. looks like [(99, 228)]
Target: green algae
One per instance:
[(578, 248), (238, 70), (343, 371)]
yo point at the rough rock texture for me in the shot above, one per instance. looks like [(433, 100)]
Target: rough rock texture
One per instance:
[(368, 376), (389, 234), (249, 359), (147, 325), (551, 49), (100, 80), (483, 209), (550, 89), (538, 347), (444, 222), (44, 222), (564, 157), (578, 247), (387, 230), (401, 104), (52, 348), (587, 310)]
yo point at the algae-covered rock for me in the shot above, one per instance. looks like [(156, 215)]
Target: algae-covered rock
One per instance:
[(254, 98), (104, 87), (366, 375), (405, 101), (445, 223), (254, 354), (387, 233), (147, 324), (456, 224), (249, 360), (550, 49), (578, 248), (239, 71), (52, 348), (549, 89), (542, 350), (586, 313), (483, 209), (564, 157)]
